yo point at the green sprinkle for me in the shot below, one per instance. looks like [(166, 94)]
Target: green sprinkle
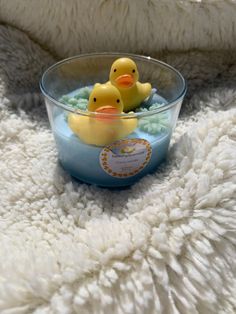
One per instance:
[(155, 123), (64, 99), (73, 101), (82, 104), (84, 93), (78, 101)]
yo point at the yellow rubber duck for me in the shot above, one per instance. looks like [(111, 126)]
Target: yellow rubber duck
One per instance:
[(124, 75), (102, 127)]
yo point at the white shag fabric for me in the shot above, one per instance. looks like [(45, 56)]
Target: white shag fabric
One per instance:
[(167, 245), (77, 26)]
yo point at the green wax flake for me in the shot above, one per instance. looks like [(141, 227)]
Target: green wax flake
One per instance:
[(82, 104), (64, 99), (73, 101), (83, 93), (155, 123), (79, 100)]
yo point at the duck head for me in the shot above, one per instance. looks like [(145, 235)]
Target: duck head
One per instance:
[(106, 100), (124, 73)]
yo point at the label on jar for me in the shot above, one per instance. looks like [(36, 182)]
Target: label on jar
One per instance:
[(125, 158)]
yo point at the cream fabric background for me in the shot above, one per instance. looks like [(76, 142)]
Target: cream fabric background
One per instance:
[(165, 246), (76, 26)]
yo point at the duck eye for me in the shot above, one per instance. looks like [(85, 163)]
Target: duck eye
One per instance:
[(133, 71), (118, 100), (114, 70), (94, 99)]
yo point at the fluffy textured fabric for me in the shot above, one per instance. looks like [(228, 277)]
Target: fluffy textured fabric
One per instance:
[(77, 26), (166, 245)]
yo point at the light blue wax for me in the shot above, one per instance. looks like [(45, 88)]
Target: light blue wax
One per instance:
[(82, 161)]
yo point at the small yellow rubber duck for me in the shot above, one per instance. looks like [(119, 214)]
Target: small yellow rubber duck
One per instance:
[(124, 76), (103, 127)]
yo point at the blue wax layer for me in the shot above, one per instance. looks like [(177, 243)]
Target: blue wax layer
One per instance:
[(82, 160)]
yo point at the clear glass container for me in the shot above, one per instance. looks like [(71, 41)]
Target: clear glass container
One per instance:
[(111, 150)]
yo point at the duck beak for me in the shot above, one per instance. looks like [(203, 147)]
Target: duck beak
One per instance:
[(106, 113), (125, 81)]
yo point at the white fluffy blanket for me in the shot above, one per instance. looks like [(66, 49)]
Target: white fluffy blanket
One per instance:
[(166, 245), (69, 27)]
